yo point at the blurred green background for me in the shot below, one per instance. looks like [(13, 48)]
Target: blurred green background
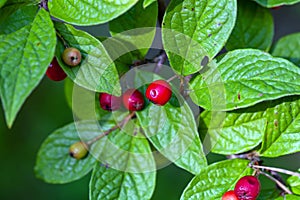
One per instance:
[(46, 109)]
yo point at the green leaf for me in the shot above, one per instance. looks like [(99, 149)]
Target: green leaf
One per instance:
[(131, 26), (281, 126), (194, 29), (128, 168), (288, 47), (88, 12), (108, 183), (274, 123), (213, 181), (15, 17), (230, 133), (2, 2), (147, 3), (143, 76), (126, 149), (275, 3), (119, 53), (243, 78), (294, 182), (281, 137), (54, 164), (96, 72), (254, 27), (173, 132), (24, 58), (289, 197)]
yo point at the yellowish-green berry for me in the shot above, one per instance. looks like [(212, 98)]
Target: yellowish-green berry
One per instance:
[(78, 150)]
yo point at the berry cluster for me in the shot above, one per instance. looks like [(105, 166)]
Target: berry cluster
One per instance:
[(247, 188), (159, 92), (71, 56)]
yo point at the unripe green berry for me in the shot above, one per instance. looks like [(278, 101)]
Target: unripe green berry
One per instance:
[(78, 150), (71, 56)]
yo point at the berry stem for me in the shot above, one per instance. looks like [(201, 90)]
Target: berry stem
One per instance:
[(280, 184), (105, 133), (181, 88), (252, 156), (62, 39), (159, 60), (172, 78), (284, 171)]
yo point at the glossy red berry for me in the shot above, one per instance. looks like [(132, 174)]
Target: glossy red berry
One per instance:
[(229, 195), (78, 150), (55, 72), (133, 100), (159, 92), (247, 188), (71, 56), (109, 102)]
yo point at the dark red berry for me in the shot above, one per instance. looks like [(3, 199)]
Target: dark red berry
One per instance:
[(133, 100), (109, 102), (276, 7), (71, 56), (159, 92), (229, 195), (55, 72), (247, 188)]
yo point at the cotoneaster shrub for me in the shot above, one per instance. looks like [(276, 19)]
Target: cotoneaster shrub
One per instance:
[(224, 87)]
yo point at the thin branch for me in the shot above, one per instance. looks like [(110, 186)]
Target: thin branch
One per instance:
[(284, 171), (172, 78), (281, 185), (252, 156), (188, 78), (181, 88), (123, 123), (159, 60), (62, 39)]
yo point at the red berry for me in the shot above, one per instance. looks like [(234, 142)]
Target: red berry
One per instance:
[(55, 72), (159, 92), (109, 102), (133, 100), (247, 188), (229, 195)]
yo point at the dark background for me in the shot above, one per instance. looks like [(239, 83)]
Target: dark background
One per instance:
[(46, 110)]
